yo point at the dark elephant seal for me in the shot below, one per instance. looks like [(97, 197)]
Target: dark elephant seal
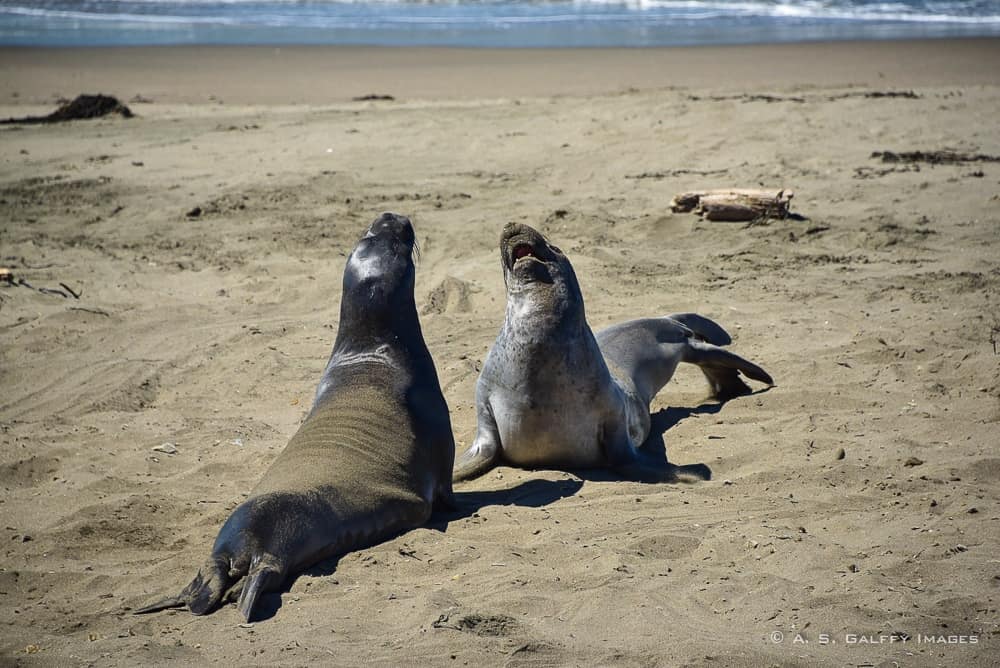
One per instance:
[(552, 394), (370, 460)]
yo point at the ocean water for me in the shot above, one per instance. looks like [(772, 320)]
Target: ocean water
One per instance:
[(486, 23)]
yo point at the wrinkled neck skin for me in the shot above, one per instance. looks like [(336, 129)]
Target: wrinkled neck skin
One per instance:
[(371, 327), (539, 314), (543, 314)]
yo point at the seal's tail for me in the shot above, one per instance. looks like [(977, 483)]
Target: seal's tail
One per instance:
[(722, 369)]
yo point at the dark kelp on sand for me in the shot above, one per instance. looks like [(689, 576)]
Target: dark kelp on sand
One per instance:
[(81, 108)]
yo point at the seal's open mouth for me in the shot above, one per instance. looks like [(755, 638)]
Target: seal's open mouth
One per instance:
[(525, 255), (523, 250)]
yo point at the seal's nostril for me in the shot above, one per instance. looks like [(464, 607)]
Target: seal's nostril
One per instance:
[(509, 231)]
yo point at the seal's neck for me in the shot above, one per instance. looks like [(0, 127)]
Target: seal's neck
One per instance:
[(536, 317), (366, 327)]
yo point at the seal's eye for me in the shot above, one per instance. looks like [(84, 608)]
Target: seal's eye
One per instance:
[(523, 250)]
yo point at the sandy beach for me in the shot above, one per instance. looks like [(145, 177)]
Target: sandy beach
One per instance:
[(182, 274)]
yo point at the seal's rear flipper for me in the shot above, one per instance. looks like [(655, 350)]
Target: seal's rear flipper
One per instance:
[(162, 604), (203, 594), (264, 576), (722, 369), (725, 384), (704, 329)]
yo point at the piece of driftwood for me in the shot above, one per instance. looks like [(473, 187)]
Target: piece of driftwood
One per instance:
[(734, 204)]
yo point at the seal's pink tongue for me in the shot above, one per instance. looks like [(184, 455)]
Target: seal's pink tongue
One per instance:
[(522, 250)]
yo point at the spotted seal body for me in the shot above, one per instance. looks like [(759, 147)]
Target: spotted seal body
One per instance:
[(552, 394), (370, 460)]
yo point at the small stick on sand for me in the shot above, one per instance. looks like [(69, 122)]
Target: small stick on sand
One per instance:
[(76, 295)]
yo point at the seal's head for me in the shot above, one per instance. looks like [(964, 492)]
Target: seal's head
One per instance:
[(539, 278), (379, 277)]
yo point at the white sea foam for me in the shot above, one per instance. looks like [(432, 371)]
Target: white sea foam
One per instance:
[(536, 23), (239, 10)]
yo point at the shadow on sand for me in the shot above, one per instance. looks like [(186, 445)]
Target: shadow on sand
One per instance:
[(537, 493), (530, 494), (654, 449)]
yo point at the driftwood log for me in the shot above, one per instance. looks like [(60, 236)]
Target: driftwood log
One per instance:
[(734, 204)]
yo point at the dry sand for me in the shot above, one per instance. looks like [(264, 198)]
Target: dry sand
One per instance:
[(858, 497)]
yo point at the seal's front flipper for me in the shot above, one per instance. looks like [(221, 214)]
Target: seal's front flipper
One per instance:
[(474, 462), (484, 453)]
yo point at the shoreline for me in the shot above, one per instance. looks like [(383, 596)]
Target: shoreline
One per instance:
[(204, 244), (325, 74)]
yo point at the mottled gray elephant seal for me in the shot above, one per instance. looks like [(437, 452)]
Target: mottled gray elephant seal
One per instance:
[(552, 394), (370, 460)]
